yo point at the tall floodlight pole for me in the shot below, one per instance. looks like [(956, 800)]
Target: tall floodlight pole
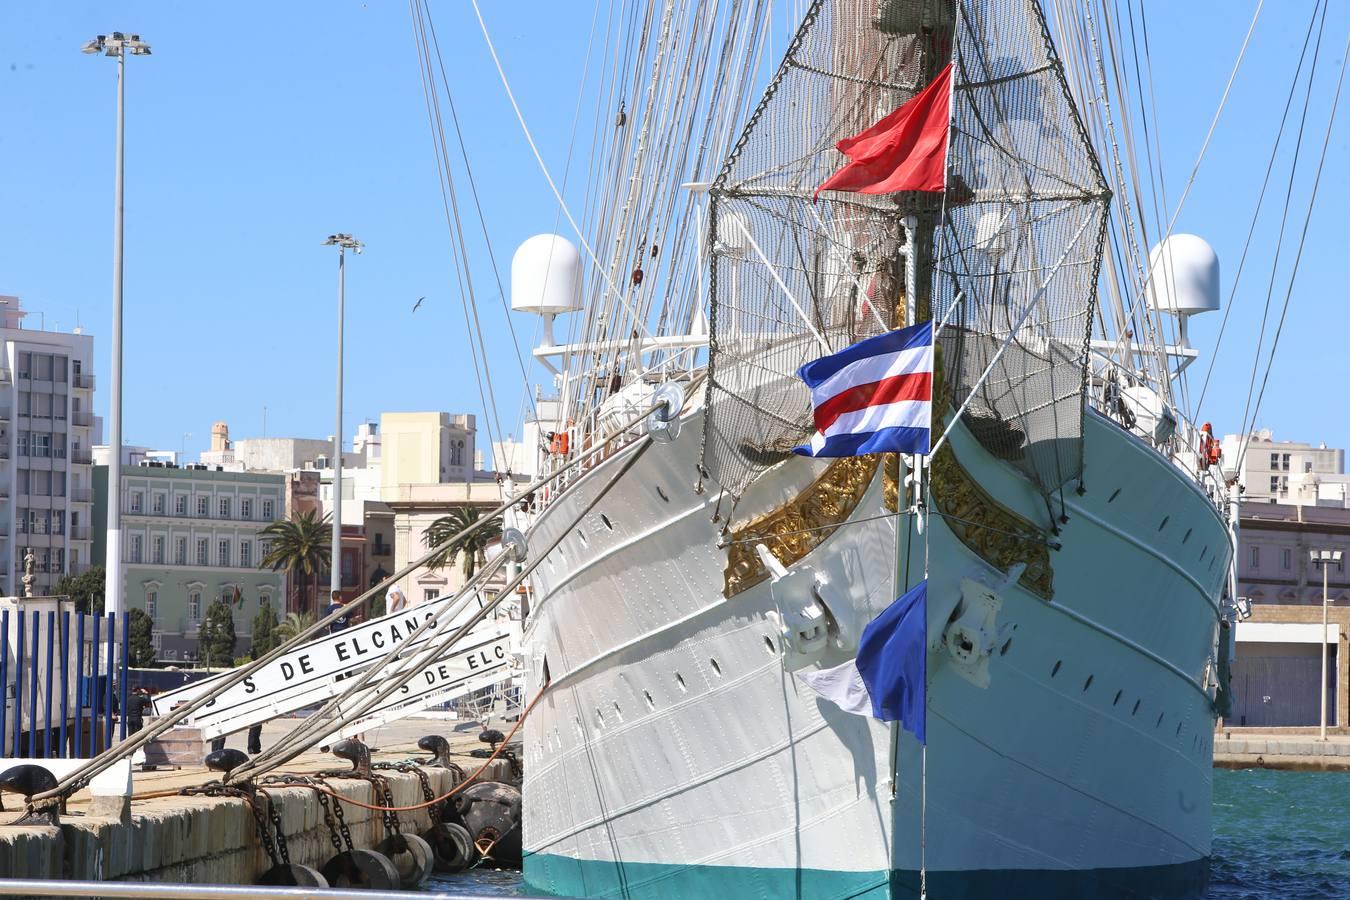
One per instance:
[(343, 242), (1324, 558), (117, 45)]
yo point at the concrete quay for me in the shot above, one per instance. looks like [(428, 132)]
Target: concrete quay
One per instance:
[(208, 840), (1296, 749)]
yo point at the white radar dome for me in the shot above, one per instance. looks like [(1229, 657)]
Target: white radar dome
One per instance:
[(1183, 276), (546, 276)]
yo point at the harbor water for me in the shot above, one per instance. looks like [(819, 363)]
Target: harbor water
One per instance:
[(1276, 835)]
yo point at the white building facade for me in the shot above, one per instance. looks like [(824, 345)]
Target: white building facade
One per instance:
[(46, 441)]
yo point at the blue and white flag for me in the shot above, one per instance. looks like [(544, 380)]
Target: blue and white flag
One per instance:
[(888, 678), (873, 397)]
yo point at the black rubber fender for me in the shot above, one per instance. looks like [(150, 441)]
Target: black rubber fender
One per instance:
[(361, 869), (490, 812), (293, 875), (452, 846), (412, 858)]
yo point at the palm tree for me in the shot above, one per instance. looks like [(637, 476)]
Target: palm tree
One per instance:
[(473, 546), (293, 624), (301, 546)]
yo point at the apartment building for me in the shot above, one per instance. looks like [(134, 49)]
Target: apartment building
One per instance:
[(190, 536), (46, 438)]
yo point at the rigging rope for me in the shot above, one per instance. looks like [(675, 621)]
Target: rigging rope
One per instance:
[(81, 775)]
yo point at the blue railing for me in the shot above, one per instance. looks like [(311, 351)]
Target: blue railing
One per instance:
[(59, 687)]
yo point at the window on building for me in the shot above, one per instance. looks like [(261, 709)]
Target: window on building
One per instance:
[(59, 443), (264, 548), (42, 444), (157, 504), (25, 365), (180, 551), (429, 594), (203, 552), (37, 521), (246, 554), (245, 508), (1274, 460), (135, 504), (24, 482), (180, 505), (203, 506), (1286, 558), (223, 553), (21, 443), (157, 549), (1284, 462), (264, 598), (223, 507), (1307, 466), (136, 549), (194, 606), (58, 484), (1274, 484), (456, 453), (152, 603), (267, 510), (1256, 557), (58, 521)]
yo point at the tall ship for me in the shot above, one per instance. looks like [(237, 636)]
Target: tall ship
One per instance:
[(1072, 524)]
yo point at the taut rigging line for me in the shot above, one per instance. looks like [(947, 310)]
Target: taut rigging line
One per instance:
[(80, 776), (391, 683)]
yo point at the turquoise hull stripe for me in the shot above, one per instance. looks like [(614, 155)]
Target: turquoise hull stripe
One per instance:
[(546, 873), (549, 874)]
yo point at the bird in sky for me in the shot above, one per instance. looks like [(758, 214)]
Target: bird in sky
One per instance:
[(418, 303)]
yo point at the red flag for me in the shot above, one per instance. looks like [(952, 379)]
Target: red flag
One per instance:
[(905, 151)]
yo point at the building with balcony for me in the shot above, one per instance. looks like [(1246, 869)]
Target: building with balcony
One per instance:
[(190, 536), (46, 435)]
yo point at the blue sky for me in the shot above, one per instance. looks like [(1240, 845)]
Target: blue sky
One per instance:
[(257, 129)]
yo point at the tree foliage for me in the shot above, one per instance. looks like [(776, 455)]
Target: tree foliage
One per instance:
[(140, 638), (86, 589), (473, 546), (264, 631), (293, 624), (302, 546), (215, 641)]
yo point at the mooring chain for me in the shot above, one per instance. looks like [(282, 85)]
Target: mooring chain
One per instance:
[(410, 769), (260, 826), (273, 813)]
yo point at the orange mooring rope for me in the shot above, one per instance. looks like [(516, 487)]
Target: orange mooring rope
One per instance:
[(448, 794)]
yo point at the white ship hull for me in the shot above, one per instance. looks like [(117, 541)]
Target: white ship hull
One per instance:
[(676, 755)]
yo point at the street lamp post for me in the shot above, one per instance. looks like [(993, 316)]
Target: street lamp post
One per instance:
[(343, 242), (1324, 558), (117, 45)]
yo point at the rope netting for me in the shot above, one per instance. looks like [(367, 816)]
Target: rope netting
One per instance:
[(1008, 254)]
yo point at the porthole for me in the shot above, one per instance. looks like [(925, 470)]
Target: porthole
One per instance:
[(1003, 651), (1179, 724), (581, 536), (768, 642), (599, 717), (1187, 536), (1087, 684), (1114, 495), (1164, 523), (662, 494), (1158, 724), (1117, 700), (608, 524), (679, 679), (1136, 707), (716, 667), (1055, 670), (618, 713), (647, 695), (1203, 552)]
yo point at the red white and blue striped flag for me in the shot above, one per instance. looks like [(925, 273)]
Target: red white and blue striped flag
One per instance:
[(873, 397)]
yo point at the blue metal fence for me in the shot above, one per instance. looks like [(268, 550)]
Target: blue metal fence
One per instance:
[(63, 695)]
